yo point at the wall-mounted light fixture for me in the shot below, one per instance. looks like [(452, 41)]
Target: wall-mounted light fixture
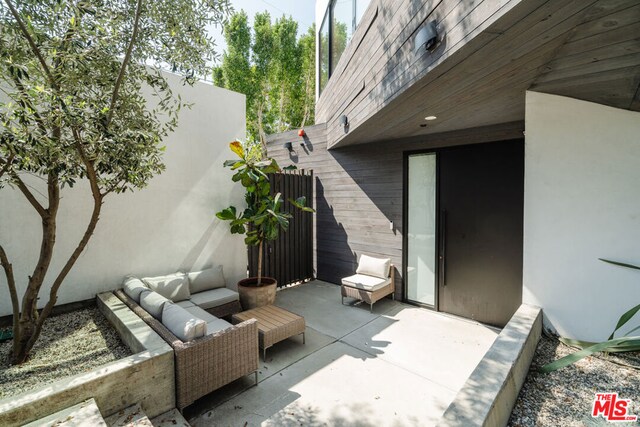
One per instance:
[(426, 39), (344, 120), (288, 146)]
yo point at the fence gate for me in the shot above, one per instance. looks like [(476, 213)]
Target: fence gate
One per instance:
[(289, 259)]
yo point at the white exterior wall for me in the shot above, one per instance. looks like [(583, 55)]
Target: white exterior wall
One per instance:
[(169, 225), (582, 202)]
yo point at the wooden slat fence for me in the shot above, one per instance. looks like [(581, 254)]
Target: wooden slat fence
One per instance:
[(289, 259)]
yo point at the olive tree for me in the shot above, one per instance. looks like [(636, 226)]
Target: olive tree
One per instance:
[(72, 80)]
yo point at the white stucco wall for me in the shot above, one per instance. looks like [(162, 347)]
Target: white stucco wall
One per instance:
[(582, 202), (169, 225)]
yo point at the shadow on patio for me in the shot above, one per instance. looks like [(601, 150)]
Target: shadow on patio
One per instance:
[(397, 366)]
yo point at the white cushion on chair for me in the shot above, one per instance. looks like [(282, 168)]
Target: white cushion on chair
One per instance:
[(153, 303), (366, 283), (133, 287), (376, 267)]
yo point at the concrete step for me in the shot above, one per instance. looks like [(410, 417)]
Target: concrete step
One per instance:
[(133, 416), (80, 415)]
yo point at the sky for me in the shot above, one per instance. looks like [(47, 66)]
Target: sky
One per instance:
[(302, 11)]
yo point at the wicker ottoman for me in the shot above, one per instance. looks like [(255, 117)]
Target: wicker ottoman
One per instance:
[(275, 324)]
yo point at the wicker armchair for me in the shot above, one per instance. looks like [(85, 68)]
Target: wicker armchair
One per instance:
[(368, 287), (210, 362)]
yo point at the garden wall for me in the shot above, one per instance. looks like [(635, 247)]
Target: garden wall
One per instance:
[(167, 226), (582, 171)]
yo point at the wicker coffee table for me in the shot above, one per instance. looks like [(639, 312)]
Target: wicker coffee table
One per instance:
[(275, 324)]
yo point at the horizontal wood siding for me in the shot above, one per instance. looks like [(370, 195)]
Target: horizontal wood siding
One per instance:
[(492, 51), (359, 190)]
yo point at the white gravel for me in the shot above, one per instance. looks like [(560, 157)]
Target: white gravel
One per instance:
[(70, 344), (565, 397)]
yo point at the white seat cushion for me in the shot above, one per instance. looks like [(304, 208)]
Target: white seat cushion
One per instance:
[(133, 287), (364, 282), (185, 304), (183, 324), (211, 278), (153, 303), (201, 314), (214, 298), (173, 286), (376, 267), (217, 325)]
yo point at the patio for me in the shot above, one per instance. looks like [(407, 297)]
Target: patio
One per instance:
[(400, 365)]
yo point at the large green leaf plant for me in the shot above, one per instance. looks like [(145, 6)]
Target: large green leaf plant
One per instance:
[(613, 344), (263, 218)]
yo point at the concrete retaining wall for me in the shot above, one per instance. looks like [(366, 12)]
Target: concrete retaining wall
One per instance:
[(147, 377), (489, 394)]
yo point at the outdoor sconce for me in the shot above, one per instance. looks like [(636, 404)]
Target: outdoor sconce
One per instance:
[(288, 146), (344, 120), (426, 39)]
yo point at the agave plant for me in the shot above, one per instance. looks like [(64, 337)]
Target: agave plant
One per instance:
[(626, 343)]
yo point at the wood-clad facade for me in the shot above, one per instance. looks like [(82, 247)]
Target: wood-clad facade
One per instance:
[(372, 114), (490, 53)]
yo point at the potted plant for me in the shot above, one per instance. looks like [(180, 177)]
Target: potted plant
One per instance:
[(262, 219)]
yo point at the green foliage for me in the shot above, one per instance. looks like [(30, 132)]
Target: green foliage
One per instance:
[(73, 107), (273, 68), (263, 217), (46, 114), (611, 345)]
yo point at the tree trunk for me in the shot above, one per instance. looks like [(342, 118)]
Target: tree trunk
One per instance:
[(260, 263)]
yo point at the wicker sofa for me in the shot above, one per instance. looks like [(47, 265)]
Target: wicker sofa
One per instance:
[(206, 363)]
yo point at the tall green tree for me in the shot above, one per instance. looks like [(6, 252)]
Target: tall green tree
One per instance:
[(281, 78), (73, 75)]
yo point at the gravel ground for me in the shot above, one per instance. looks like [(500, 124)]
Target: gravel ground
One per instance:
[(70, 344), (565, 397)]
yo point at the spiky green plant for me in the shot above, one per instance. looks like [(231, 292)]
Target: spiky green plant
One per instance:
[(625, 343)]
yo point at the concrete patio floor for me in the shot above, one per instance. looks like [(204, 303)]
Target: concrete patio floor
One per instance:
[(398, 366)]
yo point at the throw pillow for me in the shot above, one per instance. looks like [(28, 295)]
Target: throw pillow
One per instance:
[(376, 267), (173, 286), (205, 280), (183, 324)]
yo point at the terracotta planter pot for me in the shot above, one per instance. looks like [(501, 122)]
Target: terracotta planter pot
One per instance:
[(252, 296)]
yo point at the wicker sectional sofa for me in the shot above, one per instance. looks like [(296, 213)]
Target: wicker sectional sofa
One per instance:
[(209, 351)]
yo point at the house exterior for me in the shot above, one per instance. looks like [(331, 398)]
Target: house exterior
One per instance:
[(490, 148)]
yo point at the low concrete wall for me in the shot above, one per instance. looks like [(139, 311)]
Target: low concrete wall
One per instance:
[(489, 394), (146, 377)]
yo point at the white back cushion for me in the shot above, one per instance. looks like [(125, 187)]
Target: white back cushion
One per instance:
[(133, 287), (183, 324), (173, 286), (211, 278), (153, 303), (376, 267)]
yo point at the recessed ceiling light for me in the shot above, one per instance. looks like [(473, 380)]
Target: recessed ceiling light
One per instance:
[(429, 118)]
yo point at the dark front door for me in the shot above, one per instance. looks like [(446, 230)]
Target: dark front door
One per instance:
[(481, 195)]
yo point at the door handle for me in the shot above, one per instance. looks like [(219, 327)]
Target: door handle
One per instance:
[(442, 256)]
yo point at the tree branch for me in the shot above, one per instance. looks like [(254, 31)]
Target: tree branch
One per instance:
[(53, 293), (11, 282), (7, 165), (29, 195), (32, 43), (125, 62)]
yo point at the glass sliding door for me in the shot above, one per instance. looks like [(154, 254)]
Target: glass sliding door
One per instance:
[(421, 232)]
